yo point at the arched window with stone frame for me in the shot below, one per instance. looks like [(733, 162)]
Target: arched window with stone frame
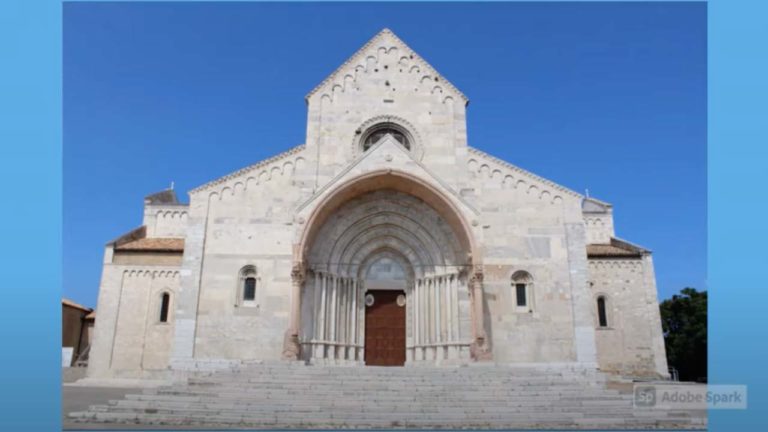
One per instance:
[(247, 284), (522, 291)]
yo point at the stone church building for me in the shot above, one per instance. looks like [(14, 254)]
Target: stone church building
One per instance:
[(385, 240)]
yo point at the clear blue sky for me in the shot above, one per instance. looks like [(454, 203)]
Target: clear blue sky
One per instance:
[(605, 96)]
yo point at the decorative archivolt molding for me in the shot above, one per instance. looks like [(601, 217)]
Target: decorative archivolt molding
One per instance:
[(171, 214), (264, 171), (515, 177), (370, 56), (592, 221), (150, 273), (615, 263)]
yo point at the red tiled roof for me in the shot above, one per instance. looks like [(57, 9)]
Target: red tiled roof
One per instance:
[(153, 245), (616, 249), (70, 303), (600, 250)]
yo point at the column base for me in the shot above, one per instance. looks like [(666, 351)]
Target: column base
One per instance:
[(480, 351), (291, 346)]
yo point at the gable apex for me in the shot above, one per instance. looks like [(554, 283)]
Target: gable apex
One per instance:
[(385, 36)]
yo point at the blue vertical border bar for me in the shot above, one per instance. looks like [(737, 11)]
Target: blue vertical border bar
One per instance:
[(738, 206), (30, 214)]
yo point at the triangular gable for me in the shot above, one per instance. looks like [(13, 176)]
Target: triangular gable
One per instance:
[(387, 153), (387, 40)]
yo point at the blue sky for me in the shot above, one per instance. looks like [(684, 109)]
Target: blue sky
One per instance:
[(609, 97)]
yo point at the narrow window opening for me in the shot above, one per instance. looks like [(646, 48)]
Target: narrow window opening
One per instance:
[(601, 316), (164, 307), (521, 298), (249, 289)]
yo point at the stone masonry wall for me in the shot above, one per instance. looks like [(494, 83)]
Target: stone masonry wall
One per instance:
[(128, 334), (630, 342), (524, 229)]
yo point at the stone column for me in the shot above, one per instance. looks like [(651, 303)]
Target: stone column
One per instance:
[(320, 316), (479, 349), (291, 346)]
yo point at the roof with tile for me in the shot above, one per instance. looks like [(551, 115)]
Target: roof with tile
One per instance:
[(152, 245), (616, 249)]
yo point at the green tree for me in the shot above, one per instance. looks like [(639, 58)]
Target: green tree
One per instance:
[(684, 322)]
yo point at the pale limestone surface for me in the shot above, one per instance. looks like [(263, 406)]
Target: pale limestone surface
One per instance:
[(314, 222)]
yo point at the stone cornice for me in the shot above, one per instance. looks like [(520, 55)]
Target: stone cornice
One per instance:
[(530, 175), (262, 164)]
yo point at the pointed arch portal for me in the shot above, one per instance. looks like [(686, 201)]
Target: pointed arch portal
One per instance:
[(386, 231)]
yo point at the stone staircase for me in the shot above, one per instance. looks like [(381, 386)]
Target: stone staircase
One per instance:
[(297, 396)]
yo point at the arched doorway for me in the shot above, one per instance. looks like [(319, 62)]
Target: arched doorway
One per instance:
[(380, 234)]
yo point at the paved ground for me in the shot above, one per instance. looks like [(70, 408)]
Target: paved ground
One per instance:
[(78, 398)]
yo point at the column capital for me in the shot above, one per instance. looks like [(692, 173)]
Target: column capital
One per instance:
[(477, 274), (298, 272)]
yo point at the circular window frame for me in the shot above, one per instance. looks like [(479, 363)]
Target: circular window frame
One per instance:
[(389, 122), (385, 127)]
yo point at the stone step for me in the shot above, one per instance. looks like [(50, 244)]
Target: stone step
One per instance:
[(566, 420), (373, 380), (381, 398), (402, 412), (405, 389), (400, 384), (438, 398), (400, 374), (375, 405), (292, 396)]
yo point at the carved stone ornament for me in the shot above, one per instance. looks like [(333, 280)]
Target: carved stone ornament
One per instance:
[(298, 272), (291, 346), (401, 300)]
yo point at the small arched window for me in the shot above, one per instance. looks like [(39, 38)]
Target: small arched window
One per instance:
[(522, 284), (165, 304), (602, 317), (376, 133), (246, 286)]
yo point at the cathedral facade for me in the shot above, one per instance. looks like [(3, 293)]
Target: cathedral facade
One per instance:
[(384, 240)]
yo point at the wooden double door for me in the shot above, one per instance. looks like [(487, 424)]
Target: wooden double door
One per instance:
[(385, 328)]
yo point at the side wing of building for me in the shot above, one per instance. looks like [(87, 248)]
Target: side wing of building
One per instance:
[(139, 286), (623, 285)]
